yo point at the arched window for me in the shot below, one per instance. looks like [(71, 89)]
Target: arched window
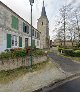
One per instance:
[(42, 23)]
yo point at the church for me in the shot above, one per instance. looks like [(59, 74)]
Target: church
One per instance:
[(43, 27), (15, 32)]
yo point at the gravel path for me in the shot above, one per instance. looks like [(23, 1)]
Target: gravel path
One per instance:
[(35, 80)]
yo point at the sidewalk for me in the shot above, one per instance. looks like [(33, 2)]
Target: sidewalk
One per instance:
[(35, 80)]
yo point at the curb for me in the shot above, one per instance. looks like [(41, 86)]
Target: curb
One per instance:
[(57, 83)]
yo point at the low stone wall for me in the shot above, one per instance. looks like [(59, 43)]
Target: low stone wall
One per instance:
[(16, 63)]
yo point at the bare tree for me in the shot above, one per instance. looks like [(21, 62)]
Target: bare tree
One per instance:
[(65, 12), (78, 28), (69, 24)]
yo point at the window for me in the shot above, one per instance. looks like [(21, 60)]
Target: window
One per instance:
[(42, 23), (35, 34), (15, 22), (38, 35), (14, 41), (32, 32), (25, 28), (37, 43)]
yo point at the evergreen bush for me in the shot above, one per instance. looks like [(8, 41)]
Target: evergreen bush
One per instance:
[(68, 52), (60, 49), (77, 53)]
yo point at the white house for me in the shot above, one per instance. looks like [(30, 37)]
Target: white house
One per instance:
[(15, 32)]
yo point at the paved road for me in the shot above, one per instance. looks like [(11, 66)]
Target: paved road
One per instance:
[(71, 86), (66, 64)]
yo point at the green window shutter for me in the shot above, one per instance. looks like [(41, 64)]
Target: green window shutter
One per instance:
[(23, 27), (32, 32), (15, 22), (35, 33), (8, 40), (33, 43), (20, 41), (27, 29)]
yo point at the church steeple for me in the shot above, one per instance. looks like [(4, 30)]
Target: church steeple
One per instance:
[(43, 3), (43, 27), (43, 13)]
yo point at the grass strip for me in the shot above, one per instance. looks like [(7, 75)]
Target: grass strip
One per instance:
[(7, 76)]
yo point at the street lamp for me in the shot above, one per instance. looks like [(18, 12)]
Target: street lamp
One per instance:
[(31, 3)]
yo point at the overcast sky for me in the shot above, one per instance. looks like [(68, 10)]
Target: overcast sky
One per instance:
[(22, 8)]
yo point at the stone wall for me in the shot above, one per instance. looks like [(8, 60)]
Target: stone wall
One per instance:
[(16, 63), (67, 43)]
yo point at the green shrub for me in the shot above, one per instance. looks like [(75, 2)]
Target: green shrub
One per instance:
[(78, 45), (77, 53), (17, 54), (38, 52), (22, 53), (13, 54), (28, 50), (5, 55), (7, 50), (68, 52), (12, 50), (76, 48), (60, 49)]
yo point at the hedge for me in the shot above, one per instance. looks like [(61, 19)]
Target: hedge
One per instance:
[(16, 53), (38, 53), (60, 49), (70, 52), (77, 53)]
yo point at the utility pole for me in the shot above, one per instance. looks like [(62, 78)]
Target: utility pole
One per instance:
[(31, 3)]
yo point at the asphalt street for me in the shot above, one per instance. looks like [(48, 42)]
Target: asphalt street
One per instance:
[(71, 86), (65, 63), (68, 66)]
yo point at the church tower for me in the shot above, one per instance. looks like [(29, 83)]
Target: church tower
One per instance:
[(43, 27)]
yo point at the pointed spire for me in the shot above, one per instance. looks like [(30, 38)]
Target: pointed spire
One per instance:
[(43, 3), (43, 13)]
